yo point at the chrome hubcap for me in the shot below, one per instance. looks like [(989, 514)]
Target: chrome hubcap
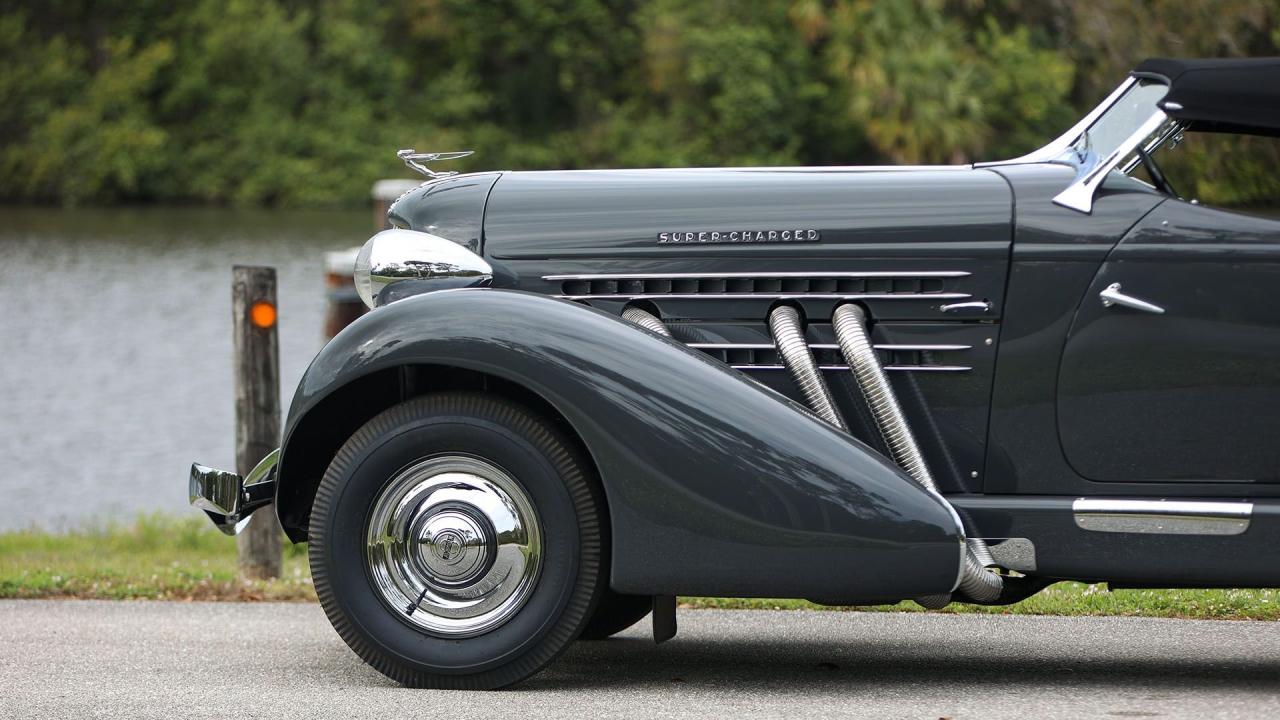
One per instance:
[(454, 545)]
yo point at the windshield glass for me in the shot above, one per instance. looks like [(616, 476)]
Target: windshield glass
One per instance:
[(1122, 119)]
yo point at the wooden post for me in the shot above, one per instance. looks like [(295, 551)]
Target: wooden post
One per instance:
[(257, 361), (385, 192), (344, 304)]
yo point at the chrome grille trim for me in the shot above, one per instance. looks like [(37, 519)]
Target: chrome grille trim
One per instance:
[(749, 346), (768, 296), (895, 368), (826, 346), (764, 275), (770, 363), (911, 347)]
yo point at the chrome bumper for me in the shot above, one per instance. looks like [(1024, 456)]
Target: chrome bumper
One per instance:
[(229, 499)]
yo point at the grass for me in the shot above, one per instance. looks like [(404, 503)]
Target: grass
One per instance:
[(155, 557), (1072, 598), (163, 558)]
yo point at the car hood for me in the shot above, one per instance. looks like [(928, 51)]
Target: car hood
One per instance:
[(645, 213)]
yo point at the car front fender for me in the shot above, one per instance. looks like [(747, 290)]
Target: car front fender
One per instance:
[(715, 485)]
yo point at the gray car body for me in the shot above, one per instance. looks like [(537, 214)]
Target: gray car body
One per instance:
[(717, 487)]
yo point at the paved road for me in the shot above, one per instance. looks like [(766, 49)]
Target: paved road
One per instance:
[(150, 659)]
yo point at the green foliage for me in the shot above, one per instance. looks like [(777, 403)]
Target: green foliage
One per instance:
[(926, 88), (302, 102)]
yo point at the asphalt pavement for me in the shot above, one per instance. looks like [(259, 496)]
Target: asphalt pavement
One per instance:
[(83, 659)]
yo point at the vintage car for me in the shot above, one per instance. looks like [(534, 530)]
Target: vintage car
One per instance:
[(581, 394)]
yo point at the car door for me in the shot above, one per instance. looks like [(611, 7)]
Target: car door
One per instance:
[(1171, 368)]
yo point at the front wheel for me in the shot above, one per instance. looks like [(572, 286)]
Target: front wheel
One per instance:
[(455, 542)]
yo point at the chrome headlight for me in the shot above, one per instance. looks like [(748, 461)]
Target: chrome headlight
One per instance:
[(395, 264)]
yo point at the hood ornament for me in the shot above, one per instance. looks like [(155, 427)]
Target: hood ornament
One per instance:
[(414, 159)]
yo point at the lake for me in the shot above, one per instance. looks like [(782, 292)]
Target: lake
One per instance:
[(116, 337)]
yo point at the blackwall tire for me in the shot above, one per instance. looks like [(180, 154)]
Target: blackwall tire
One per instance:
[(614, 613), (505, 518)]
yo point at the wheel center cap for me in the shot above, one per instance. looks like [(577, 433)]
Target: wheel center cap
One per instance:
[(454, 544)]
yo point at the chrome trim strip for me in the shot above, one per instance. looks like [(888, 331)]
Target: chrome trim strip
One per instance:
[(791, 168), (823, 346), (747, 275), (749, 346), (897, 368), (1162, 517), (939, 348), (768, 296)]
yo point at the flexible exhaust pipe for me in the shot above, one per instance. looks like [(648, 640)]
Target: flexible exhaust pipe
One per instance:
[(788, 337), (976, 582), (645, 320)]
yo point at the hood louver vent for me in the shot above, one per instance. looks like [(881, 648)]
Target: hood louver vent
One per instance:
[(899, 358), (852, 286)]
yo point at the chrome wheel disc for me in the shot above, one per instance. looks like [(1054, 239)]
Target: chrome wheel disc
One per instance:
[(454, 545)]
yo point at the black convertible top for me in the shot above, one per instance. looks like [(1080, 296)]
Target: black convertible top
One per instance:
[(1238, 95)]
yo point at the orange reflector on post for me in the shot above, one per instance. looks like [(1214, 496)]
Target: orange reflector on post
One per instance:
[(263, 314)]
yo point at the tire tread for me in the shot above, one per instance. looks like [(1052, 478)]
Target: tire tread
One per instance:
[(584, 494)]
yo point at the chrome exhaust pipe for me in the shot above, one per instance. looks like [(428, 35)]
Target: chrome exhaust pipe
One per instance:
[(977, 583), (788, 337), (645, 320)]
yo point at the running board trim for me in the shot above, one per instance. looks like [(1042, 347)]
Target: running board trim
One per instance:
[(1162, 517)]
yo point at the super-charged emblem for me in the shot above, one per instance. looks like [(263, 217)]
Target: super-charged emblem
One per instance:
[(739, 236)]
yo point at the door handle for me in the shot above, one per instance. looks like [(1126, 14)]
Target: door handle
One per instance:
[(1112, 296)]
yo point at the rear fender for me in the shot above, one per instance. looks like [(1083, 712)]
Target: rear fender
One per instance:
[(715, 485)]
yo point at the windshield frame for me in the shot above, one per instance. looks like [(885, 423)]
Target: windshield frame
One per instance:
[(1073, 148), (1129, 111)]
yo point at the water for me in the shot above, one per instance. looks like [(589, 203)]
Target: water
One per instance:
[(115, 334)]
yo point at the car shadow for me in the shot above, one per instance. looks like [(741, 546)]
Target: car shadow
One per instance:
[(806, 666)]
